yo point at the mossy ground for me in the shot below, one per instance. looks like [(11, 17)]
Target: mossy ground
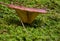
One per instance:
[(46, 27)]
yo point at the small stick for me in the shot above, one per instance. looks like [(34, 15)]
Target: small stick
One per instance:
[(24, 26)]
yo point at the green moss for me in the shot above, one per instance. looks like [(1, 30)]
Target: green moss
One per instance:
[(46, 27)]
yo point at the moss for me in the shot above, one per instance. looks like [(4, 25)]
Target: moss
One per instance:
[(46, 27)]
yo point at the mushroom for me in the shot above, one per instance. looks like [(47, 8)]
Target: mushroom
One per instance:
[(27, 15)]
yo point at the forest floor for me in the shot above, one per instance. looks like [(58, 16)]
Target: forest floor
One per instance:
[(45, 27)]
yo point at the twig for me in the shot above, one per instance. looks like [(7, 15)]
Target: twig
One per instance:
[(24, 26)]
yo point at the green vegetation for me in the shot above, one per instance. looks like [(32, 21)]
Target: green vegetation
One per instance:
[(46, 27)]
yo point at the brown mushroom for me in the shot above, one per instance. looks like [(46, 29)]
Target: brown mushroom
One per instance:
[(27, 15)]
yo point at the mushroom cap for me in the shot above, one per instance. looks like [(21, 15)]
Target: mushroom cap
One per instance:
[(27, 9)]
